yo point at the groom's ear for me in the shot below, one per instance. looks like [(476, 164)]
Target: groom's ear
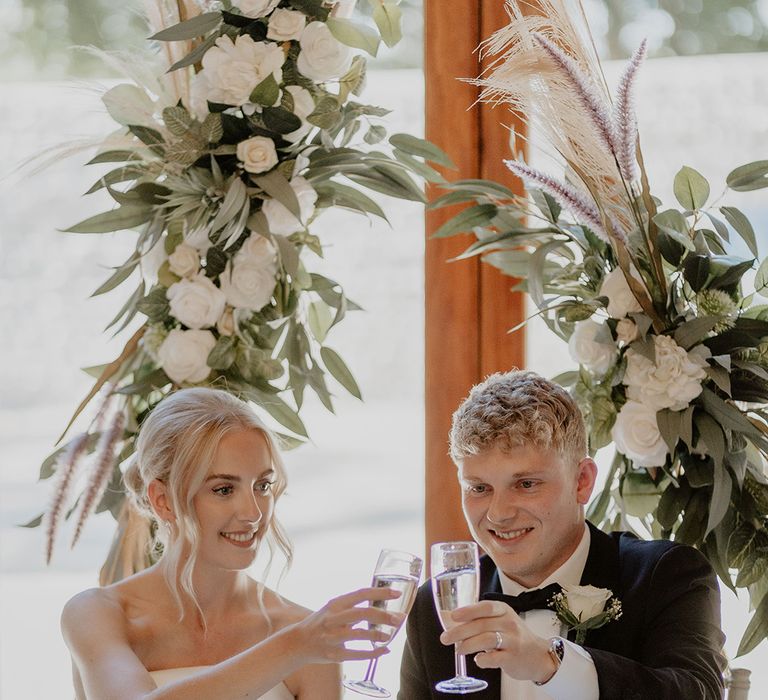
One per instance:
[(585, 480)]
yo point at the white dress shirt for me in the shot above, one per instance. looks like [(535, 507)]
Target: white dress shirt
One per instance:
[(576, 679)]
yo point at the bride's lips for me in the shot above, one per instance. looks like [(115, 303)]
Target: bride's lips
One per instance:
[(510, 536), (243, 540)]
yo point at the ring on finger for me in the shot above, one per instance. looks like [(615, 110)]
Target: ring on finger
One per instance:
[(499, 642)]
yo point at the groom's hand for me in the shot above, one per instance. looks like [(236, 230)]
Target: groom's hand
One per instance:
[(520, 654)]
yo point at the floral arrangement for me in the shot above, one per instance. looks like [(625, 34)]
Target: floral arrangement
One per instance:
[(584, 608), (223, 163), (668, 329)]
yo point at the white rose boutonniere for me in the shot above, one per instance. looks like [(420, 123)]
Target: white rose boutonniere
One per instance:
[(583, 608), (184, 355)]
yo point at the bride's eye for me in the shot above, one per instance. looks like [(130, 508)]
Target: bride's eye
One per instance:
[(225, 490), (264, 486)]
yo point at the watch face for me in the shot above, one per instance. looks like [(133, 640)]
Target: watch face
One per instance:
[(558, 646)]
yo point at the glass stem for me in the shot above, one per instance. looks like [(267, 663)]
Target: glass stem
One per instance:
[(371, 670), (461, 665)]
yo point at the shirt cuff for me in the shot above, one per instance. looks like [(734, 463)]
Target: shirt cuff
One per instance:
[(576, 679)]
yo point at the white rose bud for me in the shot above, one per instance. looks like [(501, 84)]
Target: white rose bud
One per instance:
[(280, 220), (621, 301), (231, 70), (303, 106), (255, 8), (226, 324), (636, 435), (285, 25), (322, 57), (673, 381), (586, 602), (196, 302), (591, 346), (248, 284), (257, 154), (184, 354), (626, 331), (184, 261), (258, 250)]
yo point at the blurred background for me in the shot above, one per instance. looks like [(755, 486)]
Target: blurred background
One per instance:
[(358, 486)]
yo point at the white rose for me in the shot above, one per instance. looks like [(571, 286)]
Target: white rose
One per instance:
[(590, 345), (257, 154), (232, 70), (184, 354), (258, 251), (621, 301), (303, 106), (586, 602), (197, 303), (636, 435), (248, 284), (322, 57), (184, 261), (226, 324), (285, 25), (280, 220), (626, 331), (673, 381), (256, 8)]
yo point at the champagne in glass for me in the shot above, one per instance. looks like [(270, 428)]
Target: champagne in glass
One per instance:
[(456, 584), (400, 571)]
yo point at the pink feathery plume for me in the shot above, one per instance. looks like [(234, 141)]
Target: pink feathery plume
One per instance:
[(588, 95), (624, 118), (101, 472), (66, 469), (567, 196)]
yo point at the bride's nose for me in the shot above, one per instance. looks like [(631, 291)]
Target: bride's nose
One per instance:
[(249, 509)]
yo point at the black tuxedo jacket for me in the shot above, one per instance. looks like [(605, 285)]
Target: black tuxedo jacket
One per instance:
[(667, 645)]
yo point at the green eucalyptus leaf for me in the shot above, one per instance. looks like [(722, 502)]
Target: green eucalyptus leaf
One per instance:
[(388, 18), (178, 120), (320, 319), (113, 157), (757, 629), (284, 414), (691, 188), (741, 224), (267, 92), (223, 354), (118, 219), (694, 331), (326, 114), (761, 279), (194, 56), (416, 166), (155, 305), (337, 367), (280, 120), (466, 220), (354, 34), (275, 184), (420, 147), (669, 427), (191, 28), (752, 176), (375, 134)]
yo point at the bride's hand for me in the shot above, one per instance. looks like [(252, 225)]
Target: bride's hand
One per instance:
[(322, 636)]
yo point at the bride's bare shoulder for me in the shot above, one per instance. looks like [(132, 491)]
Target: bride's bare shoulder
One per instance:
[(283, 611)]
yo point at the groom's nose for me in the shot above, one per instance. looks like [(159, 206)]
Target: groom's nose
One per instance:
[(501, 508)]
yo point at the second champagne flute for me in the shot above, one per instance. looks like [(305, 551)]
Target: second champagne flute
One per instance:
[(455, 584), (400, 571)]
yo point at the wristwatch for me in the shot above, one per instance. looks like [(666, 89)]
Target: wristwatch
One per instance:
[(556, 652)]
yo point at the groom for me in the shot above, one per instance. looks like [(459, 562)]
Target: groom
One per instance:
[(520, 446)]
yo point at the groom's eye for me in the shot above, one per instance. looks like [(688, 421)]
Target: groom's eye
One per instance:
[(476, 488), (527, 484)]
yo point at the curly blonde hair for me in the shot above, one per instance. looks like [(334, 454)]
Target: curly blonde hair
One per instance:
[(518, 408)]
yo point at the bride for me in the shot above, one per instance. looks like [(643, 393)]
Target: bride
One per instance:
[(195, 625)]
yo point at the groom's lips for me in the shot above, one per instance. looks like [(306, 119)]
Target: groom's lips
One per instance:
[(510, 536)]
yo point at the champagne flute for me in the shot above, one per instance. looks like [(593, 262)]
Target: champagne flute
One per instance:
[(455, 584), (400, 571)]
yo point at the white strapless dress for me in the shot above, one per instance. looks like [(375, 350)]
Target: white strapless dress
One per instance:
[(168, 675)]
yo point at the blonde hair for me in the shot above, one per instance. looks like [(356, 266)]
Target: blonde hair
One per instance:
[(514, 409), (176, 445)]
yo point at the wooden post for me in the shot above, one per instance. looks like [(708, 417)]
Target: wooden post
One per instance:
[(469, 307)]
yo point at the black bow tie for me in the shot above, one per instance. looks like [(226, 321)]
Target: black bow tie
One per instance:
[(537, 599)]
